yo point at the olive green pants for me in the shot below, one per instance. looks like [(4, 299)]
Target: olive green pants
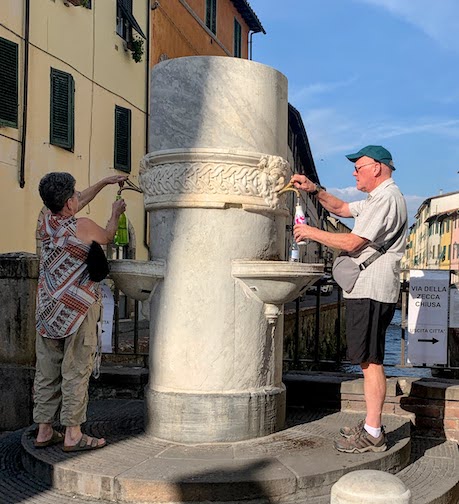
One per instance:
[(62, 373)]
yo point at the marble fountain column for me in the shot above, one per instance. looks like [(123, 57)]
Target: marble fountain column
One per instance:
[(218, 149)]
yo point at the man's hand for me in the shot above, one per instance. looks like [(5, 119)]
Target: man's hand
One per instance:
[(303, 183), (302, 232)]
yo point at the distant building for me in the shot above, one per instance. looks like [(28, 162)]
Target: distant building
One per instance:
[(73, 99), (202, 28), (433, 240)]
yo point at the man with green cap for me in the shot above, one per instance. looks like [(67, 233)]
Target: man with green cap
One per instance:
[(380, 219)]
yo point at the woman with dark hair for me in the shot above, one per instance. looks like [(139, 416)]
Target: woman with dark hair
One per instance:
[(68, 309)]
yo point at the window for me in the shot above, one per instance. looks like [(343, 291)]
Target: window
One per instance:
[(237, 39), (125, 20), (8, 83), (123, 27), (62, 113), (122, 139), (211, 15)]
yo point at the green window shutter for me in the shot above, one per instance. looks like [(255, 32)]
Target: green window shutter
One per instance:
[(8, 83), (211, 15), (122, 139), (62, 113), (237, 39)]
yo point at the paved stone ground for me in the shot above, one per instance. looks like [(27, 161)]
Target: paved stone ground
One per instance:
[(305, 448)]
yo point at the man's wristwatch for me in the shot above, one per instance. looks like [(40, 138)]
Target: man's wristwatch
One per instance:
[(317, 189)]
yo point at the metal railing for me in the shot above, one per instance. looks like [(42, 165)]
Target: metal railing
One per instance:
[(309, 348)]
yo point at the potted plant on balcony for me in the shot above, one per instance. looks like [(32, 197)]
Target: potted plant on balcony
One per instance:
[(136, 46)]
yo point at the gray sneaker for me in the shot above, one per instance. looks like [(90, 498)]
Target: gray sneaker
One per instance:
[(347, 432), (362, 442)]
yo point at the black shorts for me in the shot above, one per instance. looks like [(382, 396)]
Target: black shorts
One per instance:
[(366, 324)]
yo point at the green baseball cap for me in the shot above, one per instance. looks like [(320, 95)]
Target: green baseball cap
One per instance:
[(376, 152)]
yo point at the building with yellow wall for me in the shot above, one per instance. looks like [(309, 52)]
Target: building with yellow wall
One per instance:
[(434, 237), (72, 99)]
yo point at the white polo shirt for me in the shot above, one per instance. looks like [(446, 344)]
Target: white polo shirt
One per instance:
[(378, 218)]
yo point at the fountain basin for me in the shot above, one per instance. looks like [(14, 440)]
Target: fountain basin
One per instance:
[(137, 279), (276, 282)]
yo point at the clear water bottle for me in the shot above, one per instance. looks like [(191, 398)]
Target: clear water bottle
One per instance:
[(294, 252)]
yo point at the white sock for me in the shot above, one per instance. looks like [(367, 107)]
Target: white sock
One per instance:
[(373, 431)]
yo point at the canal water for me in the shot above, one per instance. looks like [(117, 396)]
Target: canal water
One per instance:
[(392, 359)]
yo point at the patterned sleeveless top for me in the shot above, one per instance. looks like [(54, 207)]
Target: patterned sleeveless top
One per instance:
[(65, 291)]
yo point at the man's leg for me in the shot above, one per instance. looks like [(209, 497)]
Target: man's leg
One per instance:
[(368, 436), (366, 326), (374, 385)]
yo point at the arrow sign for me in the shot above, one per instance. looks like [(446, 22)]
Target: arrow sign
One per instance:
[(433, 341)]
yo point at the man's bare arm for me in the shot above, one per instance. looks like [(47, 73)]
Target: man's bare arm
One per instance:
[(349, 242)]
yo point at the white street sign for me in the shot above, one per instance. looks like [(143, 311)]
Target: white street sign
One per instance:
[(428, 317)]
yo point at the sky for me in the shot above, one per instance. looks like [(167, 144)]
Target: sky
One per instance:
[(381, 72)]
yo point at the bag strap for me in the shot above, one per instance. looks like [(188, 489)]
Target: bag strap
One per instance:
[(383, 248)]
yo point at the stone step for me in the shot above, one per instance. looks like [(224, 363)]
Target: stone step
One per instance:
[(19, 486), (294, 465)]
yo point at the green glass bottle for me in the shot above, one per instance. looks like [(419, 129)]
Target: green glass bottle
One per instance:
[(122, 235)]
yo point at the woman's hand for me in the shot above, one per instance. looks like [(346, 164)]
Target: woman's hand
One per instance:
[(118, 207), (115, 179)]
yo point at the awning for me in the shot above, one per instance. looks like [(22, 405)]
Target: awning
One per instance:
[(442, 215), (130, 17)]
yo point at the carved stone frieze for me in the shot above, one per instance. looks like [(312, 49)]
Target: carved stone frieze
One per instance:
[(212, 178)]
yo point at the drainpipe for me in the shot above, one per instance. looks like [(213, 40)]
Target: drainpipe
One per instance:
[(147, 113), (25, 94), (147, 80), (250, 45)]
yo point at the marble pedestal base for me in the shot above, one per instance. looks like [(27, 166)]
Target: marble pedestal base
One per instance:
[(204, 418)]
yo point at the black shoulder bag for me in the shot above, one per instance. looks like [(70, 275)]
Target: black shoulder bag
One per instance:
[(346, 271), (97, 263)]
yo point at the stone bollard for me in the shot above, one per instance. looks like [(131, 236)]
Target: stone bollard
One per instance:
[(369, 486)]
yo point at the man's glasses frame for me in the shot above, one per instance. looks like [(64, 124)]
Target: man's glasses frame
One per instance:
[(358, 168)]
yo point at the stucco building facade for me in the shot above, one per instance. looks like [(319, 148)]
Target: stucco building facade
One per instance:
[(72, 99), (433, 240)]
